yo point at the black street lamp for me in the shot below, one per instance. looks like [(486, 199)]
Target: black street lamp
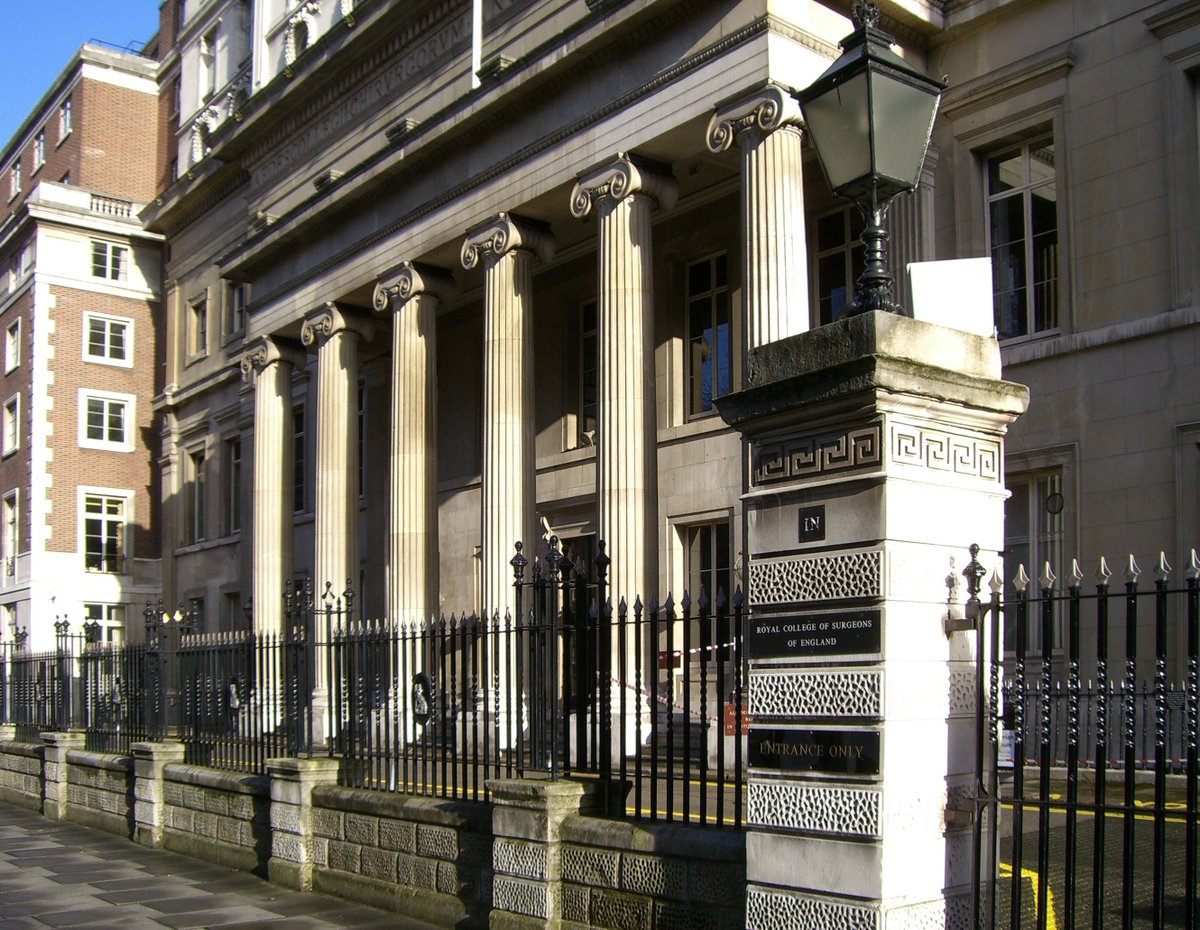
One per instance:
[(870, 116)]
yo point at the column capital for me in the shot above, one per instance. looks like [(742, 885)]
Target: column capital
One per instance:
[(760, 110), (622, 177), (264, 351), (329, 320), (504, 233), (413, 279)]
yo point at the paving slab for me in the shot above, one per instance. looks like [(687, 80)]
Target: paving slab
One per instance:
[(55, 874)]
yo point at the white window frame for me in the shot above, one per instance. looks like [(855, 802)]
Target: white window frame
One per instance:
[(110, 250), (112, 628), (90, 317), (128, 400), (234, 311), (692, 365), (12, 530), (64, 120), (39, 149), (107, 494), (14, 179), (12, 346), (10, 435)]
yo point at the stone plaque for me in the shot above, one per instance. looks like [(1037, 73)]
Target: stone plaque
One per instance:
[(851, 632), (812, 523), (840, 752)]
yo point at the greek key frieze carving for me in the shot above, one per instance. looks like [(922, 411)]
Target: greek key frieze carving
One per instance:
[(803, 457), (943, 451), (825, 577)]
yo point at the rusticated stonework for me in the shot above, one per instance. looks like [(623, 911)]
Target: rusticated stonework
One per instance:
[(818, 455), (773, 911), (816, 694), (942, 451), (805, 578), (816, 808)]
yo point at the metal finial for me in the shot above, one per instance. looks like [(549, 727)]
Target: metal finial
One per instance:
[(1103, 573), (1193, 569), (1163, 569), (1075, 579), (865, 13)]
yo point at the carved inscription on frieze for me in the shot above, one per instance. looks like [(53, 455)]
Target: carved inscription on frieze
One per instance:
[(801, 457)]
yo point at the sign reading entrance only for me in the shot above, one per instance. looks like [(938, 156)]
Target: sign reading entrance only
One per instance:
[(851, 632)]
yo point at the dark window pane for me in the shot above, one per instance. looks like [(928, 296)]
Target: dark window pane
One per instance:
[(831, 231), (699, 278), (1005, 173)]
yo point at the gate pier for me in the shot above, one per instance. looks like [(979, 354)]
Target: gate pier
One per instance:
[(875, 458)]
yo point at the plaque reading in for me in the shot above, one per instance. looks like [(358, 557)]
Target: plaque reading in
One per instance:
[(840, 752), (851, 632), (812, 524)]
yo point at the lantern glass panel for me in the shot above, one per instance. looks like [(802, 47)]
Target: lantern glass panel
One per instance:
[(837, 122), (902, 117)]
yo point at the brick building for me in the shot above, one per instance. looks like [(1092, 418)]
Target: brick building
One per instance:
[(78, 309)]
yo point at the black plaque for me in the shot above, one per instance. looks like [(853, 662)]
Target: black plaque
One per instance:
[(812, 523), (851, 632), (841, 752)]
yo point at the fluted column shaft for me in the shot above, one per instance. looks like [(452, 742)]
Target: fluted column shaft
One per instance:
[(273, 482), (506, 245), (775, 293), (336, 519), (413, 520), (624, 192)]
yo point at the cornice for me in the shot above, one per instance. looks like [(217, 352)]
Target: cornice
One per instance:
[(417, 161), (1175, 19), (1029, 73)]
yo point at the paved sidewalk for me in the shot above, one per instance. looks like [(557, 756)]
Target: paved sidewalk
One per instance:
[(62, 875)]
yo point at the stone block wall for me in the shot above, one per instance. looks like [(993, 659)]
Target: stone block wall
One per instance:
[(21, 774), (425, 856), (221, 817), (100, 791), (620, 875)]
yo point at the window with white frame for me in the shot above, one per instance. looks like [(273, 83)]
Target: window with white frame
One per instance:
[(709, 333), (14, 179), (235, 309), (197, 328), (12, 346), (1022, 201), (39, 149), (110, 260), (838, 262), (105, 420), (589, 373), (106, 339), (64, 119), (193, 496), (11, 533), (12, 425), (104, 543), (109, 618)]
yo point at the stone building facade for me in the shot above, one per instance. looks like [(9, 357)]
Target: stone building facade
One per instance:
[(437, 282), (79, 308)]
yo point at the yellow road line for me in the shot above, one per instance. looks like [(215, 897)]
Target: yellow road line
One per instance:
[(1119, 815), (1051, 920)]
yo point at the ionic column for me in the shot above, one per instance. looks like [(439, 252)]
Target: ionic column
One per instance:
[(269, 366), (506, 246), (413, 558), (336, 520), (765, 124), (623, 194)]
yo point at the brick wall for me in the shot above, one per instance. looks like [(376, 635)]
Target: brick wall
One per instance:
[(14, 469), (119, 130), (73, 466)]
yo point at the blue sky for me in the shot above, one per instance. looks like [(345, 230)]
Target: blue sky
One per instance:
[(36, 44)]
